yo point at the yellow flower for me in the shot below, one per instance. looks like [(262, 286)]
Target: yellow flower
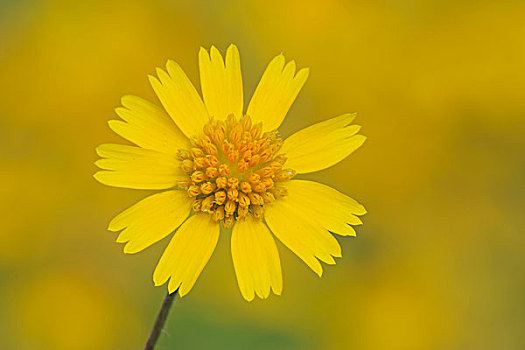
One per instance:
[(217, 164)]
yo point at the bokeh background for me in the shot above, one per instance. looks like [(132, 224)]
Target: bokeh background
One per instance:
[(439, 86)]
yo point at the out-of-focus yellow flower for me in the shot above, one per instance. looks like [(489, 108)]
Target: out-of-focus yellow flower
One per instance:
[(44, 310), (221, 165)]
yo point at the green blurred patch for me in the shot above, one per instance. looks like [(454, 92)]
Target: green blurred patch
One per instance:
[(195, 329)]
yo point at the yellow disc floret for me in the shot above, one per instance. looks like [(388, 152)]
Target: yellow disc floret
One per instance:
[(234, 169)]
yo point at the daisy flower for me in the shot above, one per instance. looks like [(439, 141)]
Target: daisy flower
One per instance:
[(218, 166)]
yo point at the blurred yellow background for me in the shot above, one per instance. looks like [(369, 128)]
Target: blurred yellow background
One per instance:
[(439, 86)]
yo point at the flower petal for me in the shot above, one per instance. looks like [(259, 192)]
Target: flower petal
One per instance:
[(322, 145), (332, 209), (276, 92), (187, 254), (134, 167), (151, 219), (180, 99), (256, 259), (148, 126), (221, 83), (302, 221)]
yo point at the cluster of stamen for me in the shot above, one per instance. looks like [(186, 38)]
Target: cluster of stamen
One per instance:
[(234, 169)]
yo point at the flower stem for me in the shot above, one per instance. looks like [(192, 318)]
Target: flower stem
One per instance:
[(161, 319)]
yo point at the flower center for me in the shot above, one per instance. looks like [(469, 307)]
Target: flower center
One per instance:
[(234, 169)]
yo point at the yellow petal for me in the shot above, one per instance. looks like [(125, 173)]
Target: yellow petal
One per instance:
[(322, 145), (307, 239), (221, 83), (180, 99), (276, 92), (302, 221), (134, 167), (148, 126), (151, 219), (256, 259), (332, 209), (187, 254)]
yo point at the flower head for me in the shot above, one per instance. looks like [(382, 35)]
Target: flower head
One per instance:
[(221, 167), (233, 169)]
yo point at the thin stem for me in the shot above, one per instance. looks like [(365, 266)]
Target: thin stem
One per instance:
[(161, 319)]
